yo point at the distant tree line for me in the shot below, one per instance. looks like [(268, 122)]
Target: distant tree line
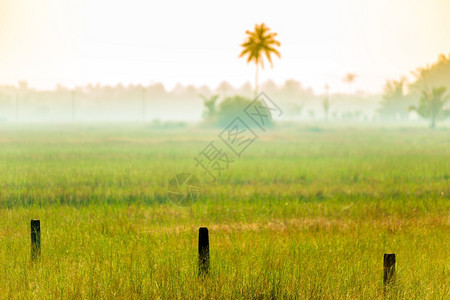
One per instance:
[(426, 96)]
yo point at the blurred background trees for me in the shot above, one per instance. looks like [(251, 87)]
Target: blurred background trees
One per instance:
[(210, 104), (395, 101), (431, 105), (434, 75), (95, 102)]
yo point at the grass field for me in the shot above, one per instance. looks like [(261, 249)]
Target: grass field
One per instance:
[(306, 212)]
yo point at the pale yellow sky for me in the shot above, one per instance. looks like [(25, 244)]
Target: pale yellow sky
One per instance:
[(197, 42)]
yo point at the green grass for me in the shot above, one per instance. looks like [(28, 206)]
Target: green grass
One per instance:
[(302, 214)]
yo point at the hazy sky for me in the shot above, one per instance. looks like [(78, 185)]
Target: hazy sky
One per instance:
[(197, 42)]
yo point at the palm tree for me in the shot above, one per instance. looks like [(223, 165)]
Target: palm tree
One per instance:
[(260, 42), (395, 101), (349, 78), (431, 105)]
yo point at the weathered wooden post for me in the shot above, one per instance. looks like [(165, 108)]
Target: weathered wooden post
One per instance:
[(35, 239), (203, 251), (389, 269)]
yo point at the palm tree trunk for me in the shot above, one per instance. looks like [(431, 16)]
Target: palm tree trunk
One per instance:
[(433, 122), (256, 79)]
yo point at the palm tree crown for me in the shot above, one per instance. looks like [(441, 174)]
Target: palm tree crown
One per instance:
[(349, 78), (259, 43)]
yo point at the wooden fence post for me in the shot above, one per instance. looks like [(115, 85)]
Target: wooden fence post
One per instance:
[(35, 239), (388, 268), (203, 251)]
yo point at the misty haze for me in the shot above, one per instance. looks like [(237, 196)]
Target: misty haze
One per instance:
[(235, 150)]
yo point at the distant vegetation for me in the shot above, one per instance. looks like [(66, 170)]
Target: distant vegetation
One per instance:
[(223, 112), (395, 101), (431, 105), (428, 89), (154, 102)]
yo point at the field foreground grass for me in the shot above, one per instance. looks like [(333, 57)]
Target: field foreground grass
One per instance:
[(302, 214)]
